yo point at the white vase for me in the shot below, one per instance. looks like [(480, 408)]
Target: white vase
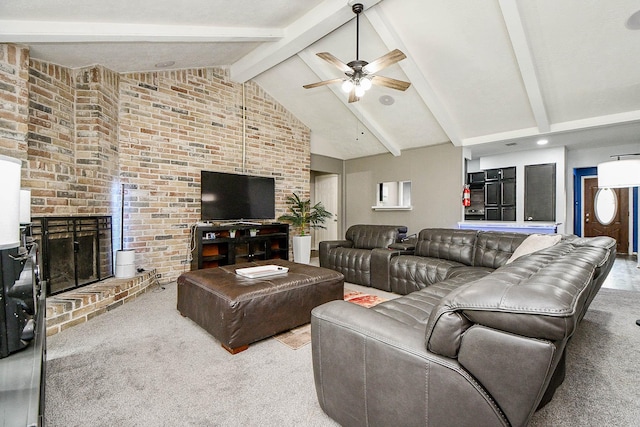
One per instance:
[(302, 249)]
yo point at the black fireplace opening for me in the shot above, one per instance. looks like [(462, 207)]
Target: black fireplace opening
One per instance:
[(76, 251)]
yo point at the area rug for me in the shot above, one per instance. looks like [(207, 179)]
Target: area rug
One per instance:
[(301, 336), (363, 299)]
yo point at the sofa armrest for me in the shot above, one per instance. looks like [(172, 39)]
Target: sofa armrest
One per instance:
[(380, 264), (325, 246), (517, 375), (407, 248), (370, 369)]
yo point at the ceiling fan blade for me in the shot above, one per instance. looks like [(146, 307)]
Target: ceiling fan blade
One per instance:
[(335, 61), (322, 83), (390, 83), (352, 96), (384, 61)]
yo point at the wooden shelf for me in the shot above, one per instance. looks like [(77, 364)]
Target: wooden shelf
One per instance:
[(213, 258), (270, 242)]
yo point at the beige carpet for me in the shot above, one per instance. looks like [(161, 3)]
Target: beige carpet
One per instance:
[(143, 364), (301, 336)]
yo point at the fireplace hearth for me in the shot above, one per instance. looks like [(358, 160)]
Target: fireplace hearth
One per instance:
[(76, 251)]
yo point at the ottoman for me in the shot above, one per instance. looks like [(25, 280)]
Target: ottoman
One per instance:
[(238, 310)]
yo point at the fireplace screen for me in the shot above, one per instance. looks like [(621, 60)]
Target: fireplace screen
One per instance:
[(76, 251)]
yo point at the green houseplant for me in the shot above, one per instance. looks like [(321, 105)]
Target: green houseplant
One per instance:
[(302, 216)]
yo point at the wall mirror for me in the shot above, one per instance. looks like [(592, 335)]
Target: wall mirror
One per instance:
[(393, 195)]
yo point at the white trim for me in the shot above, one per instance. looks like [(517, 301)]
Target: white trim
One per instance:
[(76, 32)]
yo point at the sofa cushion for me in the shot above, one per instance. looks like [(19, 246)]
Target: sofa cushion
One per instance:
[(493, 249), (414, 309), (445, 243), (410, 273), (366, 236), (534, 243)]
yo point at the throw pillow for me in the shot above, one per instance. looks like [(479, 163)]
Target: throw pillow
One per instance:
[(534, 243)]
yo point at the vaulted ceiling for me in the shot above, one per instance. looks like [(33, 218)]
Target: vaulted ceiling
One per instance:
[(492, 76)]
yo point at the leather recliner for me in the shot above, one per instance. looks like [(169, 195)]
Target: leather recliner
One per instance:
[(352, 256)]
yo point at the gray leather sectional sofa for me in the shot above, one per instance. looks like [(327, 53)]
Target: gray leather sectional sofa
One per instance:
[(474, 341)]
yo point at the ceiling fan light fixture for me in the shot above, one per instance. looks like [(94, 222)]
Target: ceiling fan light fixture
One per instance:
[(347, 86), (361, 74)]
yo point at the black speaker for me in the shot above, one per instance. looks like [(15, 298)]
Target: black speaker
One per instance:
[(18, 293)]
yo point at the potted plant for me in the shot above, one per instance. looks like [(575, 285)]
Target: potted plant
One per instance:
[(253, 232), (232, 233), (302, 216)]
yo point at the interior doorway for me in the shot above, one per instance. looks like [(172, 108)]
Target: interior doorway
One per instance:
[(325, 190), (618, 228)]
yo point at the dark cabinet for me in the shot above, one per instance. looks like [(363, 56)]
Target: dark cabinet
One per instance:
[(216, 246), (508, 192), (475, 178), (492, 214), (492, 193), (508, 173), (492, 175), (500, 194), (508, 213)]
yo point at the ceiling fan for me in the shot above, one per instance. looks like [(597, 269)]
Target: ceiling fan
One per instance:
[(360, 73)]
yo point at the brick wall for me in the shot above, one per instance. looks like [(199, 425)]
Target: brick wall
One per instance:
[(51, 172), (14, 114), (96, 141), (174, 124), (84, 133)]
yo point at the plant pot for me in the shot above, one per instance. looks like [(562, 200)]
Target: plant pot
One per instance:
[(232, 233), (302, 249), (253, 233)]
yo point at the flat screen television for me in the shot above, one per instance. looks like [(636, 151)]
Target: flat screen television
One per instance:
[(235, 197)]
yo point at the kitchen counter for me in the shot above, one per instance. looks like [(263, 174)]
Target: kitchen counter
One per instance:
[(539, 227)]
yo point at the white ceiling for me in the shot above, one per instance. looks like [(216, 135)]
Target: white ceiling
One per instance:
[(483, 73)]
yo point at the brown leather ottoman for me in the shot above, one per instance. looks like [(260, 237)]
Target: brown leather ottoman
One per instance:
[(238, 310)]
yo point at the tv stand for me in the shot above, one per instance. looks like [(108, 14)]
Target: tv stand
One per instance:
[(215, 246)]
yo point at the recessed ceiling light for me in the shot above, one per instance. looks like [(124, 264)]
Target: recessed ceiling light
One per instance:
[(633, 23), (165, 64), (542, 142), (386, 100)]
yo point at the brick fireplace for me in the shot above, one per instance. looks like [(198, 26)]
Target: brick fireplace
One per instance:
[(84, 133), (75, 250), (77, 306)]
